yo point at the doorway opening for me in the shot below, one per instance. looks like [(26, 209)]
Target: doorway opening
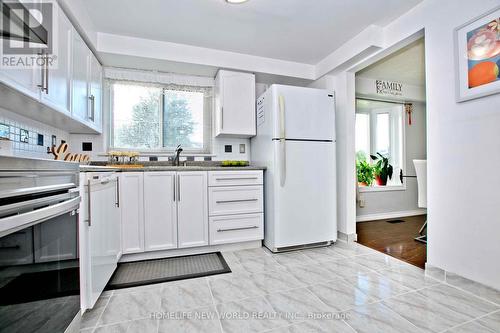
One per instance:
[(391, 147)]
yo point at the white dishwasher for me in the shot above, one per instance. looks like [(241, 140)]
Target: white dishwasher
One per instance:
[(100, 230)]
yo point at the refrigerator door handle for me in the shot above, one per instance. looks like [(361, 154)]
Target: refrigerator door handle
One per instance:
[(281, 101)]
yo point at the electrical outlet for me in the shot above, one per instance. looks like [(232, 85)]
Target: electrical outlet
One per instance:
[(242, 148), (362, 202)]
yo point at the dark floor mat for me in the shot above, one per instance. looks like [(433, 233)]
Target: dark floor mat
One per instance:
[(395, 221), (138, 273)]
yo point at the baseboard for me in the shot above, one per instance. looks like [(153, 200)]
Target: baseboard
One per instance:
[(390, 215), (189, 251), (478, 289), (347, 237)]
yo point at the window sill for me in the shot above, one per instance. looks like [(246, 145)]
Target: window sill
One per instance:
[(162, 153), (363, 189)]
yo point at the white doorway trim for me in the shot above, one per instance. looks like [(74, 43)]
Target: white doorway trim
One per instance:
[(350, 111)]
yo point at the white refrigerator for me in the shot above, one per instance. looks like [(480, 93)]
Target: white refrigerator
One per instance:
[(296, 142)]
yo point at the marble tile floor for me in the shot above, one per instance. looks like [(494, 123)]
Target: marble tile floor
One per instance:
[(342, 288)]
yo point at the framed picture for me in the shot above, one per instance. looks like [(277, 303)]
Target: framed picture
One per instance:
[(25, 136), (477, 48)]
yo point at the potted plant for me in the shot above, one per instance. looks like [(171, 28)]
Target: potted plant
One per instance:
[(382, 169), (364, 173)]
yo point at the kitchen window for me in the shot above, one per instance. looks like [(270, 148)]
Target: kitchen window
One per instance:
[(379, 132), (157, 118)]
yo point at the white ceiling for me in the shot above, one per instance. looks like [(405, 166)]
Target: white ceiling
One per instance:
[(406, 65), (303, 31)]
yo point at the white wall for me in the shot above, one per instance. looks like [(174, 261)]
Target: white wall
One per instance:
[(381, 203), (100, 143), (463, 141)]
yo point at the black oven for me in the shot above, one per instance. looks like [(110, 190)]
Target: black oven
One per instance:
[(39, 262)]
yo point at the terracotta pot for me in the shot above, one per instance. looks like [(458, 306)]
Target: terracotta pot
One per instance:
[(379, 181), (362, 184)]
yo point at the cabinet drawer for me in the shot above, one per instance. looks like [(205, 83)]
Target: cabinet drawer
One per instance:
[(235, 200), (234, 178), (236, 228)]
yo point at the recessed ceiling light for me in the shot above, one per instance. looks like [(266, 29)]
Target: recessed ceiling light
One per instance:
[(236, 1)]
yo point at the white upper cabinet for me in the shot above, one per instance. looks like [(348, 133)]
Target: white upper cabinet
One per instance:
[(25, 81), (235, 104), (192, 209), (79, 79), (95, 93), (56, 88), (68, 86), (160, 211), (86, 85)]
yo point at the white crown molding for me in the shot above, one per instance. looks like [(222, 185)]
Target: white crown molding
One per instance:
[(153, 49)]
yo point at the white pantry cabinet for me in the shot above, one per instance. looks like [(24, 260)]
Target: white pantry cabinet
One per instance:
[(160, 211), (132, 211), (235, 104), (192, 210)]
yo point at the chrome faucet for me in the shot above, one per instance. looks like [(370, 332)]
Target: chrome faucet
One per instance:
[(178, 151)]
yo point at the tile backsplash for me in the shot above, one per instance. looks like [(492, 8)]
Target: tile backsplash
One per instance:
[(25, 135)]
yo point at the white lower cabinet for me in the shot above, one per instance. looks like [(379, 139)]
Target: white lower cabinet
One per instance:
[(236, 211), (132, 211), (164, 210), (236, 228), (160, 211), (192, 211)]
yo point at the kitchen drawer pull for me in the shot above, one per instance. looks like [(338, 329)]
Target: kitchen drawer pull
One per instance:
[(239, 200), (236, 178), (235, 229)]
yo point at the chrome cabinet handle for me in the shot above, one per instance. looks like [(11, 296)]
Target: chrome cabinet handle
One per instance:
[(236, 178), (221, 117), (92, 108), (234, 229), (179, 188), (174, 180), (240, 200), (47, 74), (42, 68), (89, 205), (117, 192)]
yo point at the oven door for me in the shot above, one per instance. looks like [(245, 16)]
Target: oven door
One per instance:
[(39, 265)]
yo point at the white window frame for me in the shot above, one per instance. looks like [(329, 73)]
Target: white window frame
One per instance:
[(207, 123), (373, 127)]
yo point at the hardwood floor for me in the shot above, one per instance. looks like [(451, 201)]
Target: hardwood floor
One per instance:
[(395, 239)]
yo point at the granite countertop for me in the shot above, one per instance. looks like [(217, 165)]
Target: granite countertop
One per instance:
[(198, 167)]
